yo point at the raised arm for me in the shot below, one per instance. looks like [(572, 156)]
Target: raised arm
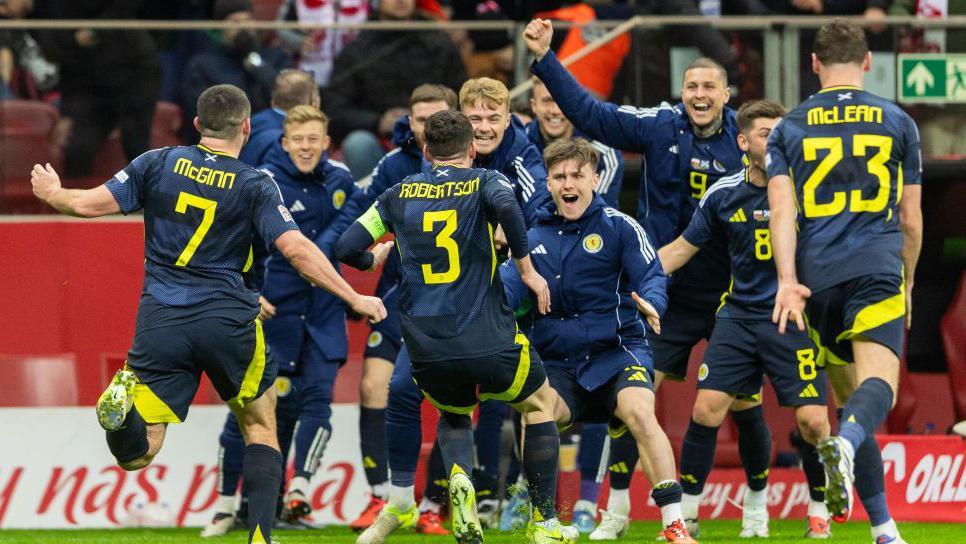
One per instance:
[(622, 127), (644, 269), (499, 198), (75, 202), (676, 254), (353, 246), (313, 265)]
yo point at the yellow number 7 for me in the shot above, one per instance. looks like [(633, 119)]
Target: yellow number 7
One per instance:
[(185, 200)]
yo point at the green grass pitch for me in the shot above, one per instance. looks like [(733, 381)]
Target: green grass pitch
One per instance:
[(782, 531)]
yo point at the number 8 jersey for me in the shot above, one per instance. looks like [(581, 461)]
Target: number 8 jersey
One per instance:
[(201, 208), (451, 302), (849, 154)]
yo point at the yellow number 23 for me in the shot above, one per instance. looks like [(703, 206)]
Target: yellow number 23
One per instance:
[(876, 165)]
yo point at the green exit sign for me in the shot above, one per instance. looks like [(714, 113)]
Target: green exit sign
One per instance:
[(932, 78)]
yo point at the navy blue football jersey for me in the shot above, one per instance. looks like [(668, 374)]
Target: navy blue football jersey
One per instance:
[(739, 210), (849, 153), (201, 208), (451, 301)]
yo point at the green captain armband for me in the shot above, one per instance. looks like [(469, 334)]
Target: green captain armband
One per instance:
[(372, 222)]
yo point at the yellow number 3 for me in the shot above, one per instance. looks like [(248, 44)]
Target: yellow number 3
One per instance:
[(185, 200), (445, 241)]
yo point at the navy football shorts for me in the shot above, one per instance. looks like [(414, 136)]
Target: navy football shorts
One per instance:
[(742, 352), (870, 307), (598, 406), (689, 319), (511, 376), (174, 345), (383, 342)]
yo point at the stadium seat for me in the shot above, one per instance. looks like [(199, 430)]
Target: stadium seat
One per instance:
[(39, 380), (952, 328), (26, 138)]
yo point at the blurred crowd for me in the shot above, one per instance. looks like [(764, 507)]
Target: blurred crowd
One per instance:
[(102, 80)]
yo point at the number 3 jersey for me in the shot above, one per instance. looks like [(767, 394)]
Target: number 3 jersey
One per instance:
[(849, 154), (451, 302), (201, 208)]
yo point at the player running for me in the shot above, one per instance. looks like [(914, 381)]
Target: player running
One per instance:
[(602, 273), (745, 345), (857, 174), (456, 324), (197, 314)]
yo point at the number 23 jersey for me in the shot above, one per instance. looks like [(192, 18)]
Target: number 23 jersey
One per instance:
[(849, 153), (201, 208), (451, 302)]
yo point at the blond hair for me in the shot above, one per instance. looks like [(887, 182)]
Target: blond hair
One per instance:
[(492, 92), (304, 113)]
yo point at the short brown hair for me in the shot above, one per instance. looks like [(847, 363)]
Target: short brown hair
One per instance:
[(448, 134), (705, 62), (433, 92), (304, 114), (758, 109), (577, 149), (840, 42), (292, 88), (493, 93), (221, 111)]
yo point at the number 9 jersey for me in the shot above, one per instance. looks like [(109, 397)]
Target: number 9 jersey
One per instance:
[(849, 154), (451, 301)]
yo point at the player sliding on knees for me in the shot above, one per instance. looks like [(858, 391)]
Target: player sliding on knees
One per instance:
[(603, 276), (196, 314), (459, 331), (745, 345)]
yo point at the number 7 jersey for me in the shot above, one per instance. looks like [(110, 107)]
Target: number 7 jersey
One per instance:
[(849, 153), (451, 302), (201, 208)]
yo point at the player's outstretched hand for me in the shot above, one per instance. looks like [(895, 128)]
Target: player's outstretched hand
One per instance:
[(643, 306), (266, 310), (537, 37), (379, 254), (539, 286), (44, 181), (370, 307), (790, 304)]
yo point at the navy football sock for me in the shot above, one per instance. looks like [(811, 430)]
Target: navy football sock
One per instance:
[(870, 481), (666, 493), (231, 457), (131, 440), (454, 434), (589, 450), (754, 446), (489, 425), (372, 434), (404, 433), (865, 410), (262, 477), (697, 456), (814, 472), (623, 459), (541, 452), (311, 439), (436, 476)]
